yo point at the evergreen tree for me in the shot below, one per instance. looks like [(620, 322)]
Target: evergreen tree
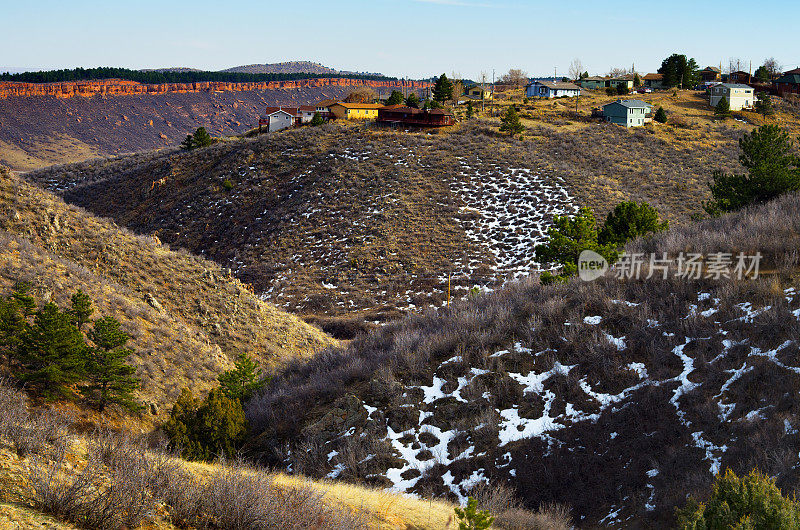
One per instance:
[(443, 89), (568, 237), (470, 110), (316, 119), (201, 138), (510, 122), (622, 89), (52, 353), (13, 326), (110, 380), (188, 143), (395, 98), (629, 220), (678, 71), (241, 382), (637, 81), (584, 75), (81, 309), (749, 502), (764, 104), (412, 100), (204, 430), (470, 518), (762, 74), (723, 109), (661, 115), (773, 169), (24, 298)]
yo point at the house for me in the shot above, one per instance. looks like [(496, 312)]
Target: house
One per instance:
[(593, 82), (277, 118), (355, 111), (740, 77), (402, 115), (788, 83), (627, 112), (306, 113), (479, 92), (626, 81), (654, 81), (551, 89), (710, 74), (739, 96)]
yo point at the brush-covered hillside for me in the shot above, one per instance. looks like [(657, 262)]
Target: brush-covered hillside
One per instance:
[(188, 318), (351, 218), (617, 397)]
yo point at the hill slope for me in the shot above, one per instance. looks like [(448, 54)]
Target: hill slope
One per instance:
[(344, 218), (188, 318), (617, 397)]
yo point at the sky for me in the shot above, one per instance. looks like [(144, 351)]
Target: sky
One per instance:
[(403, 38)]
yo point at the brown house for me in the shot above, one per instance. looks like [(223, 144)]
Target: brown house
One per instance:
[(709, 74), (787, 84), (740, 77), (653, 80)]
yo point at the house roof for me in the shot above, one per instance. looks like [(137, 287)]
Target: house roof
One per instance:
[(556, 85), (292, 111), (327, 102), (653, 77), (792, 72), (631, 103), (360, 106), (792, 79), (473, 87), (401, 108), (308, 107), (734, 85), (594, 78), (711, 69)]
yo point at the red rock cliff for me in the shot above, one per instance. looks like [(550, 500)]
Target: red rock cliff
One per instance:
[(120, 87)]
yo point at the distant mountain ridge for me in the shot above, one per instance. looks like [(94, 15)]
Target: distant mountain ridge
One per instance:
[(291, 67)]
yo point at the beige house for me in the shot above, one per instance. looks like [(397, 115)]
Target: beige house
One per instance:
[(477, 92), (739, 96)]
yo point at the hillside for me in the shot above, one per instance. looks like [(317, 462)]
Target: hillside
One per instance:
[(616, 397), (289, 67), (355, 219), (188, 318)]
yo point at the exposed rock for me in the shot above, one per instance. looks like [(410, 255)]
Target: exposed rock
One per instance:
[(152, 302)]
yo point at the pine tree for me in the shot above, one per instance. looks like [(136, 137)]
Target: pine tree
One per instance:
[(81, 309), (205, 429), (723, 109), (396, 98), (470, 110), (110, 380), (510, 122), (316, 119), (188, 143), (470, 518), (52, 353), (443, 89), (661, 115), (201, 138), (629, 220), (637, 81), (412, 100), (241, 382), (13, 326), (764, 104)]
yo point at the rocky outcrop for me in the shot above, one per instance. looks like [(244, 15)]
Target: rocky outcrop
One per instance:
[(121, 87)]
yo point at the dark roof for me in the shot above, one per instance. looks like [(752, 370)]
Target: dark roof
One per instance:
[(791, 79), (791, 72), (327, 102), (734, 85), (653, 77), (308, 107), (631, 103), (401, 108), (711, 69)]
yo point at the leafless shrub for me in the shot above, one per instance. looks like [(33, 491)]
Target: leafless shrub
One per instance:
[(549, 517), (44, 432)]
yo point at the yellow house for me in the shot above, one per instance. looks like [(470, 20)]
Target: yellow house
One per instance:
[(355, 111), (477, 92)]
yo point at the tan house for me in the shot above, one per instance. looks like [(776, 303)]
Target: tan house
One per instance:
[(739, 96), (478, 92), (355, 111)]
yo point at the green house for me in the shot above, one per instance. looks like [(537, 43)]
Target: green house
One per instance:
[(627, 112)]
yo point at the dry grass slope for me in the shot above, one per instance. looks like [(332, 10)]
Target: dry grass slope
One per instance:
[(188, 318)]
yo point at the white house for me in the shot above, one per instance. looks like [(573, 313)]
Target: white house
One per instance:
[(552, 89), (739, 96), (306, 113), (277, 118)]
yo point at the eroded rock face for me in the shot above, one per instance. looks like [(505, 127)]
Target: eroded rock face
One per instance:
[(347, 413), (121, 87)]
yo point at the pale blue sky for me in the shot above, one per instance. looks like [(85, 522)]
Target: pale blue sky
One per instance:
[(415, 38)]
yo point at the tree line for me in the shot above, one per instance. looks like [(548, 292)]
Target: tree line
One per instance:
[(159, 77)]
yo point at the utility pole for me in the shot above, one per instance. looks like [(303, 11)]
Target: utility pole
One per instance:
[(483, 90), (492, 92)]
